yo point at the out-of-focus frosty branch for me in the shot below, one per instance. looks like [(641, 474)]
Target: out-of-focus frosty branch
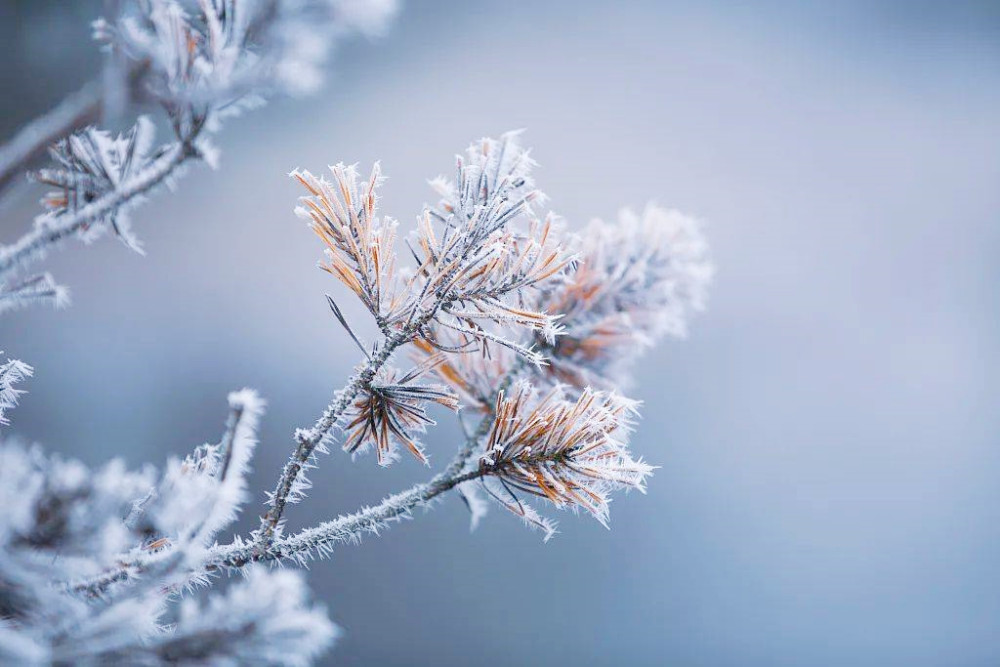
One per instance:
[(40, 288), (50, 231), (263, 620), (201, 61)]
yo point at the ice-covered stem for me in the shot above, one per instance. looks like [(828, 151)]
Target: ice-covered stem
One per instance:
[(78, 109), (318, 540), (48, 233), (572, 444)]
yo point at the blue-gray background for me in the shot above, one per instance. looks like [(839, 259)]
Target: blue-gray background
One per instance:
[(828, 434)]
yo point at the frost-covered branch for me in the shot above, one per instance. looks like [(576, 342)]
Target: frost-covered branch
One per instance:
[(38, 289), (319, 540), (292, 483), (506, 317)]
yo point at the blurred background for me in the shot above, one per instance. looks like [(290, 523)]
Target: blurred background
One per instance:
[(828, 435)]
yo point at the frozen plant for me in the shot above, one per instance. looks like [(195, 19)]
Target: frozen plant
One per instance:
[(488, 307), (526, 327)]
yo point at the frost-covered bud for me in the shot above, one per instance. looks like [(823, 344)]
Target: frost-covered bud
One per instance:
[(482, 249), (573, 453), (392, 410)]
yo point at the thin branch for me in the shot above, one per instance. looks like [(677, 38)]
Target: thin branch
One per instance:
[(319, 539), (228, 438), (51, 231), (347, 528)]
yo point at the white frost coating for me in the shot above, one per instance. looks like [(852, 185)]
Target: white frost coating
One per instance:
[(478, 508)]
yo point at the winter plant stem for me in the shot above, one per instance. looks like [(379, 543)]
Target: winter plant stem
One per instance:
[(347, 527), (344, 528)]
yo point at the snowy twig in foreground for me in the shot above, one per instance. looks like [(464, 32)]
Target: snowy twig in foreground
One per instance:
[(12, 372)]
